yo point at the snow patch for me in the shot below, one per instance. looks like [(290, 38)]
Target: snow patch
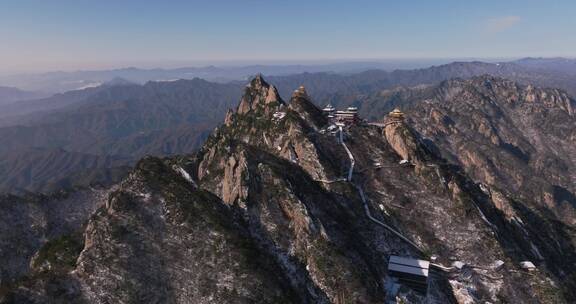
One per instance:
[(167, 80), (497, 264), (527, 265), (458, 264), (185, 175), (87, 86), (279, 115)]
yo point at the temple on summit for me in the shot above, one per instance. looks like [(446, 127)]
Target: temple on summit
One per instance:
[(301, 92), (396, 114)]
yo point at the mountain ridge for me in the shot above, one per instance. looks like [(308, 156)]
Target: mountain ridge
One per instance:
[(138, 120), (272, 177), (10, 95)]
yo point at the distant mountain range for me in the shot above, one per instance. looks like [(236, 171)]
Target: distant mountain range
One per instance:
[(10, 95), (58, 82), (337, 87), (125, 121), (52, 169), (16, 110), (565, 65)]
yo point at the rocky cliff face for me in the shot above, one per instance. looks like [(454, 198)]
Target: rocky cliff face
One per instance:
[(403, 140), (507, 136), (37, 221), (512, 138), (265, 213)]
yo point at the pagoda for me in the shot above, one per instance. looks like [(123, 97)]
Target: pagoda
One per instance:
[(396, 114)]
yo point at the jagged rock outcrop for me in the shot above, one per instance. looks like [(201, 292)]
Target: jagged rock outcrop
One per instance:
[(229, 117), (402, 139), (258, 93), (171, 243), (236, 180), (274, 127), (302, 104)]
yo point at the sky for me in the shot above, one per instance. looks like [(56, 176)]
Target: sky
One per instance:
[(41, 35)]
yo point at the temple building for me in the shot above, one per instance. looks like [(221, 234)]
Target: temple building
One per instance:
[(348, 116), (396, 114), (341, 117), (301, 92), (329, 109), (329, 112)]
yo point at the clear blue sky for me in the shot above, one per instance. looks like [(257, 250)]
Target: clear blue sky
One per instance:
[(65, 34)]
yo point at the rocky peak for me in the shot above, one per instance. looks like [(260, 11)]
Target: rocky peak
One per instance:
[(258, 81), (504, 90), (402, 138), (258, 93), (283, 131), (301, 103)]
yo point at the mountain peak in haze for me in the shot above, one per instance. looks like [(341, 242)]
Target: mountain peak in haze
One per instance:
[(117, 81)]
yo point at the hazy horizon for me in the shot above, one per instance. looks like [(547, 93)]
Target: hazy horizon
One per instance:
[(400, 62), (71, 35)]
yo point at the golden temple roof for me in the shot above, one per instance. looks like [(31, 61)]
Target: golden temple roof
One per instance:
[(396, 113)]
